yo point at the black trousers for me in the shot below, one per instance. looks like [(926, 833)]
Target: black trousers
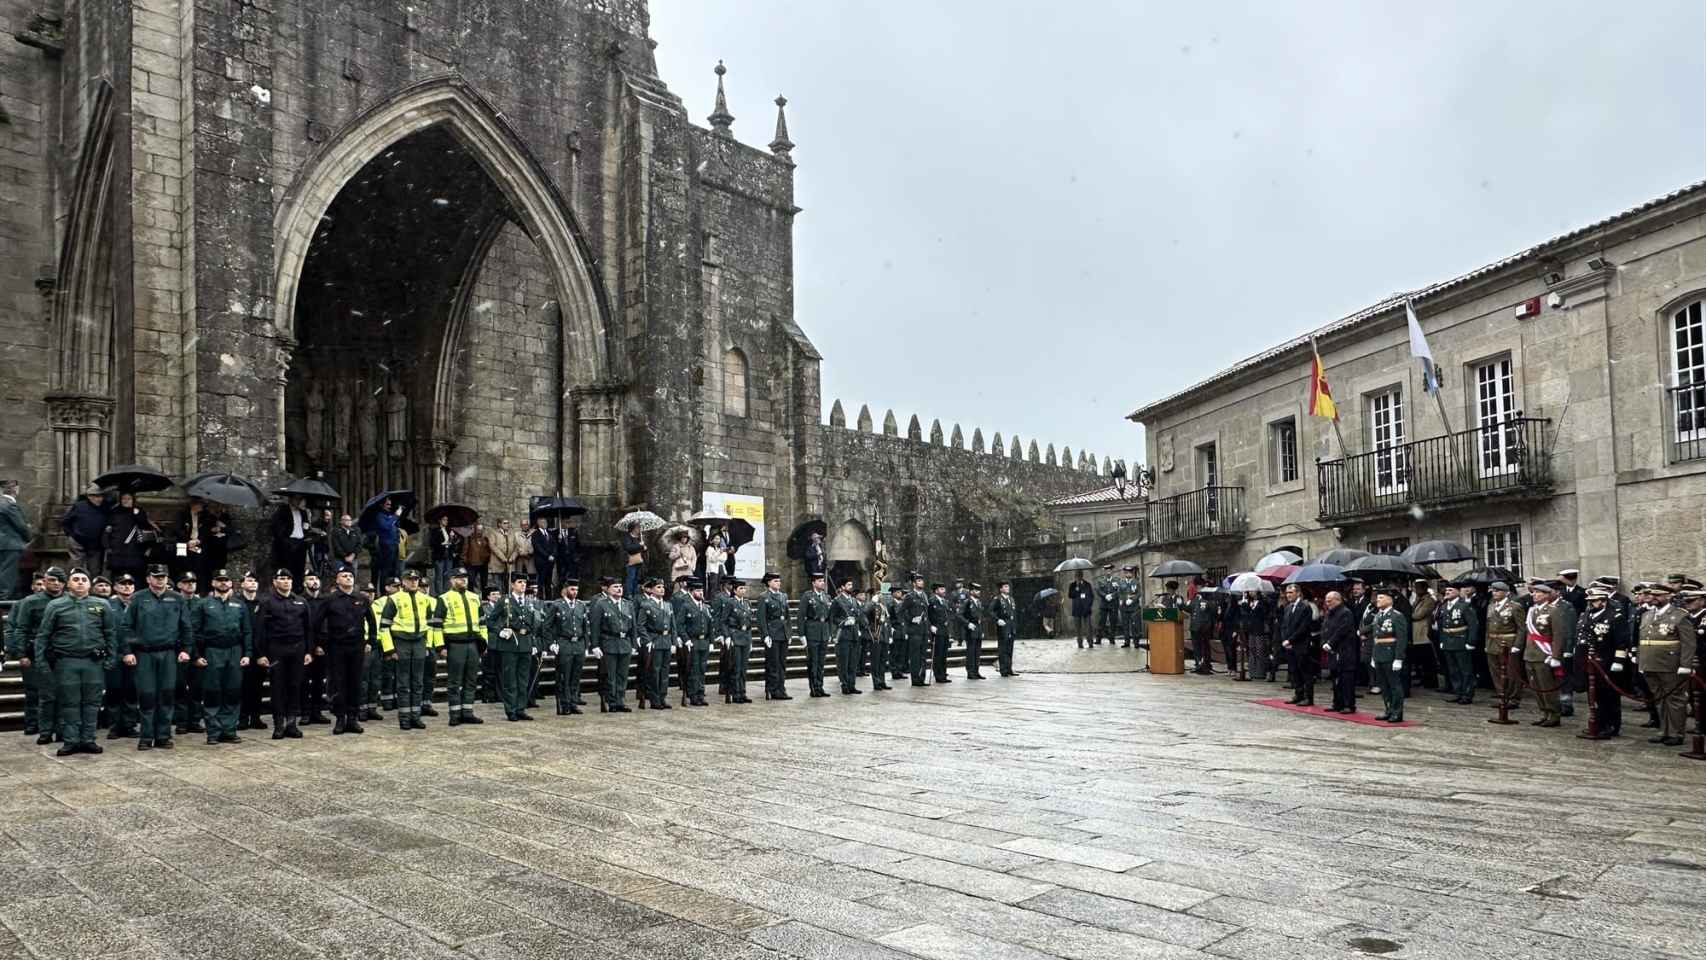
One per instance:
[(974, 653), (1004, 651), (1345, 688), (570, 666), (344, 665), (1306, 670), (254, 677), (939, 655), (314, 692), (1203, 646), (1607, 702), (775, 666), (287, 671)]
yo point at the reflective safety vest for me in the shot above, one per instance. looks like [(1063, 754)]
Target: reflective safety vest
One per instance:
[(384, 630), (408, 616), (459, 614)]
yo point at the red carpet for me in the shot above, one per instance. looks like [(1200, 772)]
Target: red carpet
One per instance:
[(1361, 716)]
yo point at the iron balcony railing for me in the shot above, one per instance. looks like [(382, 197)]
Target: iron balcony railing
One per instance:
[(1198, 515), (1685, 411), (1507, 458)]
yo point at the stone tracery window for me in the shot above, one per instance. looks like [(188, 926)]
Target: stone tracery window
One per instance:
[(734, 383)]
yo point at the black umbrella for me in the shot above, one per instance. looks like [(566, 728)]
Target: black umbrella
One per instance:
[(802, 535), (310, 487), (461, 515), (1177, 568), (1376, 566), (555, 508), (740, 531), (134, 478), (1317, 573), (370, 510), (226, 488), (1437, 551), (1339, 556), (1484, 576)]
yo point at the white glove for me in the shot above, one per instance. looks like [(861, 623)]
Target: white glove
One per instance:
[(1554, 662), (506, 633), (1001, 623), (1326, 648), (596, 654), (1516, 649), (1617, 668), (1684, 671), (932, 629), (848, 622), (1397, 664), (766, 643), (553, 649), (918, 619), (533, 651)]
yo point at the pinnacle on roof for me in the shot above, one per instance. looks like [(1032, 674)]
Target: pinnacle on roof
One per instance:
[(721, 119), (782, 147)]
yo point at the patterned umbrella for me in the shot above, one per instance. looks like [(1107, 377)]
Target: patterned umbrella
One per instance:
[(641, 521), (1247, 582)]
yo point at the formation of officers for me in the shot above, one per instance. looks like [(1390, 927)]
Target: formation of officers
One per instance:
[(154, 662), (1551, 639)]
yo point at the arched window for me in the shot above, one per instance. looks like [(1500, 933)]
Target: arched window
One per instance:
[(734, 383)]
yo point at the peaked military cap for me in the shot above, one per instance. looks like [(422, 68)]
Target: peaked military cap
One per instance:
[(125, 580), (188, 576), (1607, 581), (1691, 595), (1598, 593), (1569, 572), (974, 585), (770, 575), (1390, 591), (102, 579), (54, 573), (459, 572), (1660, 588), (693, 583), (157, 570), (1675, 579), (938, 586), (1689, 583), (75, 571), (221, 574), (409, 574), (393, 582), (1500, 585)]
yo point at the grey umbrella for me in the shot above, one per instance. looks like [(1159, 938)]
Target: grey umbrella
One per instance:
[(1318, 573), (1177, 568), (1076, 563), (1339, 556), (1437, 551), (1383, 565)]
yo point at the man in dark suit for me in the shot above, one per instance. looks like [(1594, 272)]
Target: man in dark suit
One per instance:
[(544, 543), (1339, 638), (290, 524), (1296, 621), (1083, 600)]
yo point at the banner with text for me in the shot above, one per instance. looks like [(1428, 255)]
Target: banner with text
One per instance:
[(749, 559)]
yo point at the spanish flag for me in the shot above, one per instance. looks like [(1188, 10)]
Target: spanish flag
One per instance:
[(1320, 398)]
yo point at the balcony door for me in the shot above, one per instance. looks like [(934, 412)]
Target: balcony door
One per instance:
[(1208, 467), (1495, 406), (1386, 429)]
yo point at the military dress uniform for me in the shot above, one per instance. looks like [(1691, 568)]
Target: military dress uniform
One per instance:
[(1107, 608), (1457, 630), (1391, 630), (76, 638), (1542, 646), (41, 711), (693, 628), (914, 610), (610, 629), (937, 613), (126, 716), (407, 639), (773, 627), (1130, 599), (814, 623), (1005, 612), (458, 616), (1666, 650), (1605, 633), (1504, 638), (971, 612), (155, 630), (224, 643), (848, 616), (736, 624), (515, 635), (1201, 610), (566, 630)]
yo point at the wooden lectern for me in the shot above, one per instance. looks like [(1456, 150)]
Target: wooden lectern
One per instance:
[(1166, 639)]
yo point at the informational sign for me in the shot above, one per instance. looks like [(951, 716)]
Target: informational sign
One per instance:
[(749, 559)]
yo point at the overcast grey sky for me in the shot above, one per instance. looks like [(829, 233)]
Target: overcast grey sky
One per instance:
[(1032, 217)]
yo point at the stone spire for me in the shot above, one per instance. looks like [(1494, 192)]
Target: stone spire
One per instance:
[(721, 119), (782, 147)]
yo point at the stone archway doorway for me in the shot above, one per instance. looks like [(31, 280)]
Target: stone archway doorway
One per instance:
[(850, 553)]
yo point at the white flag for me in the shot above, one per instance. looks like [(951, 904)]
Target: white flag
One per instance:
[(1419, 350)]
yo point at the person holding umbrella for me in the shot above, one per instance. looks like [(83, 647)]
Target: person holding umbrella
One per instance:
[(387, 536), (634, 549), (446, 546), (129, 535), (1083, 599)]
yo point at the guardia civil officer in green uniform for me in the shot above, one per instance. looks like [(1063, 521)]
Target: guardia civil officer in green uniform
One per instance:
[(1458, 626), (224, 645), (406, 637), (515, 633), (693, 628), (566, 627), (773, 627), (938, 614), (880, 614), (1005, 611), (1666, 649), (155, 637), (1107, 604), (867, 630), (655, 626), (379, 678), (814, 623), (914, 610), (41, 711), (1130, 599), (971, 614), (76, 638), (1391, 630), (464, 635), (736, 624), (610, 630), (126, 718), (846, 614), (186, 701)]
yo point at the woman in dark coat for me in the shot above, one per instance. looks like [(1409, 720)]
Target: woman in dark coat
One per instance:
[(130, 535)]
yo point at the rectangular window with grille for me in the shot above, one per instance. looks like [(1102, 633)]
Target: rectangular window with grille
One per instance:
[(1495, 408), (1386, 430), (1282, 445), (1499, 547), (1391, 547), (1688, 382)]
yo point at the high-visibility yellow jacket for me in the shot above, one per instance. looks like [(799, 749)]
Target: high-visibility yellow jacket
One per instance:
[(384, 630), (408, 616), (459, 614)]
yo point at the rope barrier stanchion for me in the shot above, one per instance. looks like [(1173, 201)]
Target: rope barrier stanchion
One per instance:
[(1698, 750), (1504, 717), (1592, 732)]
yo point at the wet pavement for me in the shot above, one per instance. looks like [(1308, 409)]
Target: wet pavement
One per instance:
[(1081, 810)]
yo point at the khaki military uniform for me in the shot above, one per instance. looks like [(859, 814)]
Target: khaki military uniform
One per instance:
[(1544, 640), (1504, 637), (1665, 645)]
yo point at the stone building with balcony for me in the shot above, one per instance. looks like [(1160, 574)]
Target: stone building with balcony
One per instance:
[(1570, 429)]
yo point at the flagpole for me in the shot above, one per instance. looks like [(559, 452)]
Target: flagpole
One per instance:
[(1344, 449)]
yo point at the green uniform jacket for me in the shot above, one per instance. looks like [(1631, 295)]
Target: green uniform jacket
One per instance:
[(814, 616), (156, 623), (567, 626), (1130, 596), (1391, 635), (222, 623), (913, 611), (1667, 640), (971, 611), (77, 628), (693, 623), (22, 623), (773, 617), (736, 621), (521, 618), (610, 626), (655, 624), (1005, 613), (847, 614), (1457, 625), (14, 529), (937, 614)]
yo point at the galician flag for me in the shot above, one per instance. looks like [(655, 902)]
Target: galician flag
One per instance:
[(1419, 350), (1320, 398)]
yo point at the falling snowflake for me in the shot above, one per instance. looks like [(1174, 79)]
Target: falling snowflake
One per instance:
[(1416, 511), (467, 473), (484, 305), (262, 94)]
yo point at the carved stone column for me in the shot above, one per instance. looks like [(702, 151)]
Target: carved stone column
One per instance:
[(82, 437), (278, 364), (597, 451), (432, 470)]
